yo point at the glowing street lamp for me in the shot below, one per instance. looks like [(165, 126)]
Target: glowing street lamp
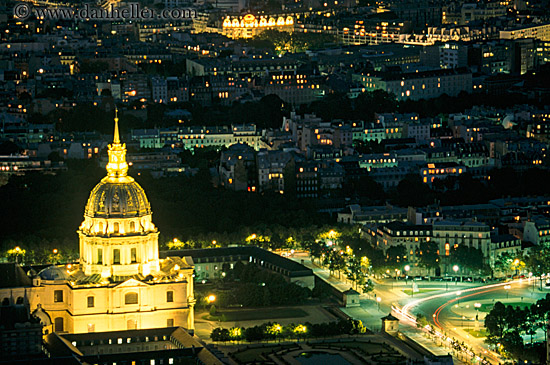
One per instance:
[(211, 298), (455, 269), (407, 268), (378, 300)]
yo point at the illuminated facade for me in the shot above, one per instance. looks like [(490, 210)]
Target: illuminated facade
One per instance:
[(120, 283), (248, 26)]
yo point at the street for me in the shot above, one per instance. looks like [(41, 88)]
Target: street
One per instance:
[(450, 307)]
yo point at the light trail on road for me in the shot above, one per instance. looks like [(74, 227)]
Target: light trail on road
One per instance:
[(404, 312)]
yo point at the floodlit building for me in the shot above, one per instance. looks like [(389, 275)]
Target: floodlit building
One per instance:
[(120, 283), (248, 26)]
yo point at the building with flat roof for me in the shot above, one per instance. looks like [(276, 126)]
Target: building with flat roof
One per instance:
[(171, 345), (209, 262)]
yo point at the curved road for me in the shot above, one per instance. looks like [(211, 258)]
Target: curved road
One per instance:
[(452, 312)]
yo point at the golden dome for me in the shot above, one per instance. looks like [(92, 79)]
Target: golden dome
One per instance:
[(117, 200), (117, 195)]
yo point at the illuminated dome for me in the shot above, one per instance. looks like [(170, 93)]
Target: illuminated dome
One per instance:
[(117, 200), (117, 236)]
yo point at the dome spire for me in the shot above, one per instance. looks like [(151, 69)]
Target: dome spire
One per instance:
[(116, 139), (117, 167)]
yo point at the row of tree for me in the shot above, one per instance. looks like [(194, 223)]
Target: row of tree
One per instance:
[(276, 331), (506, 324)]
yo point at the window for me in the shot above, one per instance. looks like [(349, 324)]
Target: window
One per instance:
[(116, 227), (58, 324), (132, 226), (116, 256), (91, 327), (170, 322), (131, 298), (58, 296), (169, 296), (133, 255), (91, 302), (100, 256)]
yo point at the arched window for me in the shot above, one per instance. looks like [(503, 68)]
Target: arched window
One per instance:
[(58, 324), (131, 298), (132, 226), (133, 255), (115, 227), (19, 300), (100, 227)]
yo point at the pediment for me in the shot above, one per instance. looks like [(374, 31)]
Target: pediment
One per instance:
[(131, 283)]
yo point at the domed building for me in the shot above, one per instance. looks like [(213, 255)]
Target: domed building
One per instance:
[(119, 283)]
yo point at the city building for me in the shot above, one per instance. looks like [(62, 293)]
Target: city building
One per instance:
[(537, 31), (420, 85), (248, 26)]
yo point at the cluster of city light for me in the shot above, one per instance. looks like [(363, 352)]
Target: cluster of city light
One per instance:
[(250, 21)]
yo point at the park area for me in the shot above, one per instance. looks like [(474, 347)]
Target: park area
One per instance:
[(359, 350)]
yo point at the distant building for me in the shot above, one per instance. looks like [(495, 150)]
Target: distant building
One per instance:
[(420, 85), (537, 31), (505, 243), (448, 234), (248, 26), (355, 214), (237, 169), (537, 231), (20, 331)]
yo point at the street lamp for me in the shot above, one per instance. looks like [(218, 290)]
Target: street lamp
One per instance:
[(211, 298), (378, 300), (407, 268), (458, 294), (455, 269)]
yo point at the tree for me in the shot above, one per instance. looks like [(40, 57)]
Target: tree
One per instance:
[(220, 334), (213, 311), (337, 262), (469, 258), (495, 323), (354, 271), (427, 255), (368, 286), (411, 191)]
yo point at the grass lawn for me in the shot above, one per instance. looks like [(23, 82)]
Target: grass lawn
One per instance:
[(257, 314), (486, 307), (482, 332), (420, 291)]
